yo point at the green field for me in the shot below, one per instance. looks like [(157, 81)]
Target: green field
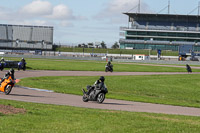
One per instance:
[(182, 90), (41, 118), (78, 65), (117, 51)]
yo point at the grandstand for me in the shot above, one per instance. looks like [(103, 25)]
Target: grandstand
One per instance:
[(24, 37), (160, 31)]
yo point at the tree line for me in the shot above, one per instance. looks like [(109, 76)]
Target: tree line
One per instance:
[(102, 45)]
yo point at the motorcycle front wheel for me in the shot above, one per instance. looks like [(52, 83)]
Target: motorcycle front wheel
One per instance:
[(100, 97), (85, 99), (7, 89), (106, 70)]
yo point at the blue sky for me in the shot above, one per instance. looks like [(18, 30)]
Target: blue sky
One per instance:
[(84, 21)]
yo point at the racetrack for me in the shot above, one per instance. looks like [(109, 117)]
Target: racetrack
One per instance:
[(21, 94)]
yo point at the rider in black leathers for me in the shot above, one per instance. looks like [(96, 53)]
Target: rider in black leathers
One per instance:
[(23, 62), (2, 60), (188, 68), (97, 85), (109, 64)]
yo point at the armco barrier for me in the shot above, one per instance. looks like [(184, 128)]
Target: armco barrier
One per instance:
[(100, 59), (52, 57), (11, 64)]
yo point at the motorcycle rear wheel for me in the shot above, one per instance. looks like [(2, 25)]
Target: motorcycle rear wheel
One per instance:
[(100, 97), (7, 89)]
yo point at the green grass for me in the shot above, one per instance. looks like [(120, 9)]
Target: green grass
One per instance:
[(182, 90), (77, 65), (117, 51), (41, 118)]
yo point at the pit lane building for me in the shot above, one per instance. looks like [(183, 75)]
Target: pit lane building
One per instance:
[(160, 31), (25, 37)]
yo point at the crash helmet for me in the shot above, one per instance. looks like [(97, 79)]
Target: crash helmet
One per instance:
[(22, 58), (102, 78), (2, 58), (12, 71)]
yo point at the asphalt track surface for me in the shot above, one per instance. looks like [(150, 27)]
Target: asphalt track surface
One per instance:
[(27, 95)]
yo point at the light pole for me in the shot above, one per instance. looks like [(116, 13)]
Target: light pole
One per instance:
[(83, 48)]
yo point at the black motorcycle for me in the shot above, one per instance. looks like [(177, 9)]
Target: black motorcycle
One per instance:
[(188, 68), (109, 68), (94, 94)]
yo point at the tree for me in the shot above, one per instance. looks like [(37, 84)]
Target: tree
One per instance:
[(103, 45), (90, 45), (82, 45), (115, 45), (79, 45)]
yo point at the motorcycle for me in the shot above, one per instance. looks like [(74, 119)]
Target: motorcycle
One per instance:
[(7, 85), (2, 65), (109, 68), (22, 65), (95, 94)]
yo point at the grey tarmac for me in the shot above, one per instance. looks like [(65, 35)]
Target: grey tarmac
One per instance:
[(26, 95)]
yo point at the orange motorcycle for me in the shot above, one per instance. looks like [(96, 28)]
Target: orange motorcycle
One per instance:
[(7, 85)]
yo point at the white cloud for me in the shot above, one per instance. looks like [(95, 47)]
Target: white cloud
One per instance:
[(114, 9), (121, 5), (37, 7), (40, 12), (61, 12)]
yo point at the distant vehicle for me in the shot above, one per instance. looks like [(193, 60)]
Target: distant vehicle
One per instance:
[(140, 57), (95, 95), (7, 85), (104, 57), (22, 66)]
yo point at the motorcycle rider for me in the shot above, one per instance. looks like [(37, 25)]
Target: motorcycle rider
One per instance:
[(109, 64), (23, 62), (188, 68), (2, 59), (97, 85), (2, 62), (9, 73)]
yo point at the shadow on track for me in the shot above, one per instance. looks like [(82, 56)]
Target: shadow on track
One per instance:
[(116, 104), (25, 95)]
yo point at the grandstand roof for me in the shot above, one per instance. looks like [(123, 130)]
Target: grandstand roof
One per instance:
[(163, 17)]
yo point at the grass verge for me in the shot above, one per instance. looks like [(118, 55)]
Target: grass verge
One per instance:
[(182, 90), (117, 51), (41, 118), (77, 65)]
